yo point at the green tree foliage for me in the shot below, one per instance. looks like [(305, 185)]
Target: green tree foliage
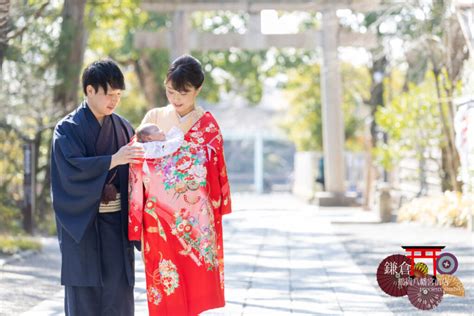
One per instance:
[(112, 26), (26, 100), (304, 119), (412, 123), (304, 122), (240, 72), (133, 105), (434, 42), (10, 181)]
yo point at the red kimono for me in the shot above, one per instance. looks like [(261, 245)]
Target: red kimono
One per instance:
[(178, 203)]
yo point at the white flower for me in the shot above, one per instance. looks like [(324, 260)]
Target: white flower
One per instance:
[(198, 171)]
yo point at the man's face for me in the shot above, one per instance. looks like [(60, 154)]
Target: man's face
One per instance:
[(182, 101), (102, 103)]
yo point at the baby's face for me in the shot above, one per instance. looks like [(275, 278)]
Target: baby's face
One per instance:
[(156, 136), (150, 133)]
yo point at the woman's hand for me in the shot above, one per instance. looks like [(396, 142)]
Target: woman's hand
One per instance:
[(127, 154)]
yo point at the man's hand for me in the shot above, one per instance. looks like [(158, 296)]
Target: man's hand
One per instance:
[(126, 154)]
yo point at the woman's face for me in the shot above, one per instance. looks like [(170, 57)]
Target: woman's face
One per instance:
[(182, 101)]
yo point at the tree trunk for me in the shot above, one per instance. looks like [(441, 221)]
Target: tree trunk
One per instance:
[(450, 166), (377, 73), (44, 191), (4, 21), (455, 55), (69, 60), (446, 184), (153, 90), (70, 54), (376, 100)]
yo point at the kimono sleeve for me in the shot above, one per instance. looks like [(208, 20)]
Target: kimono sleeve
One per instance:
[(76, 181), (150, 117), (225, 207), (136, 202), (220, 189)]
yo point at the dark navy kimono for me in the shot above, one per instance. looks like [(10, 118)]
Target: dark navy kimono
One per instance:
[(97, 257)]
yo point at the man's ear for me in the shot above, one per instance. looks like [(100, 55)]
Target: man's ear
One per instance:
[(90, 90), (198, 90)]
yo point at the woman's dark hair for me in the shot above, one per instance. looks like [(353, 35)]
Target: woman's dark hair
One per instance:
[(103, 72), (185, 71)]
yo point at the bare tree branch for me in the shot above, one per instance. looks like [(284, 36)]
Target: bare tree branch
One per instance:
[(37, 14)]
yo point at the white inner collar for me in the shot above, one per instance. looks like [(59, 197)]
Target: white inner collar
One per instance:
[(185, 117)]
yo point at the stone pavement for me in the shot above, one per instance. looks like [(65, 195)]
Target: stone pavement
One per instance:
[(26, 282), (282, 257)]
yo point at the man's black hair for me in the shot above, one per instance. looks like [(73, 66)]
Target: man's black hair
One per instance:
[(185, 71), (103, 72)]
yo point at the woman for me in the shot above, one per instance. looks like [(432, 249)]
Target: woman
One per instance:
[(177, 201)]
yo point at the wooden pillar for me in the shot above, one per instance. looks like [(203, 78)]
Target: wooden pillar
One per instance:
[(29, 185)]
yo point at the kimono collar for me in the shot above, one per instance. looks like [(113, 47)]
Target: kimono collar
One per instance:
[(196, 111)]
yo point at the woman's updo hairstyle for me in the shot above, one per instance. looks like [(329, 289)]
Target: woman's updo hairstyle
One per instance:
[(184, 72)]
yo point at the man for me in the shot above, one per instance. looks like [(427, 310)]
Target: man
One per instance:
[(89, 185)]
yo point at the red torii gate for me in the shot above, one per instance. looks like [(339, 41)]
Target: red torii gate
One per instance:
[(423, 250)]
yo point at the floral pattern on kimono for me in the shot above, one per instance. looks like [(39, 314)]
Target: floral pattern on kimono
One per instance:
[(177, 204)]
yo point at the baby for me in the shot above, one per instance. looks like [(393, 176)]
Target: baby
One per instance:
[(156, 143), (149, 133)]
